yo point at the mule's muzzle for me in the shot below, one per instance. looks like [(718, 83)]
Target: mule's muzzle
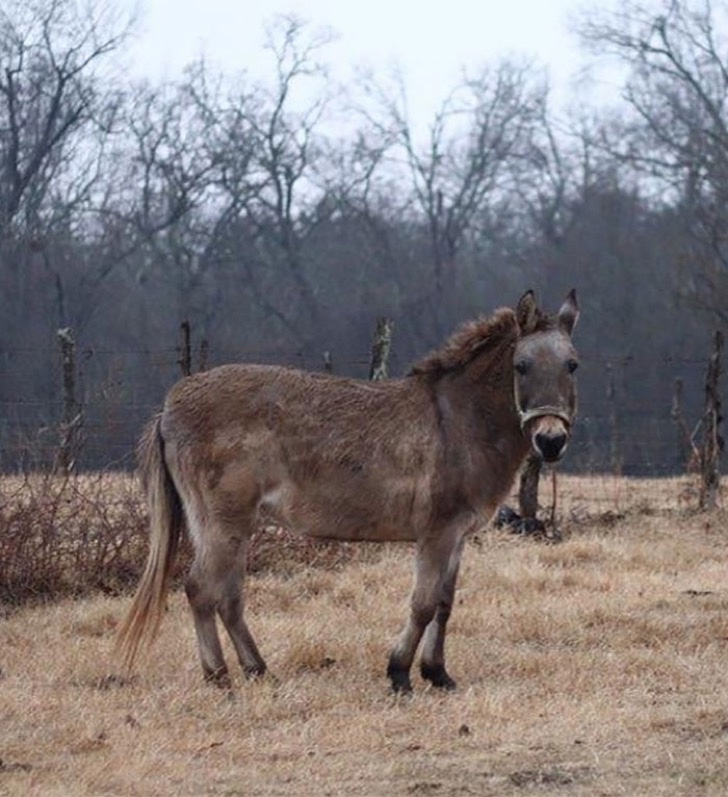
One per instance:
[(549, 430), (550, 446)]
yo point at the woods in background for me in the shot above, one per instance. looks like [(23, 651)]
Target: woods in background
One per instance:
[(282, 217)]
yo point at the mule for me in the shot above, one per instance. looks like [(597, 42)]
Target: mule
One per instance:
[(425, 458)]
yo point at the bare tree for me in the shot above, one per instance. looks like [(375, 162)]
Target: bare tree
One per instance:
[(462, 169), (677, 86), (58, 106), (51, 93), (281, 193)]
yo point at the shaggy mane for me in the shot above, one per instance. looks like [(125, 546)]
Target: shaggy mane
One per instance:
[(473, 338)]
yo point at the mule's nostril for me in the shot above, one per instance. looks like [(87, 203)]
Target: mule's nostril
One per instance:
[(551, 447)]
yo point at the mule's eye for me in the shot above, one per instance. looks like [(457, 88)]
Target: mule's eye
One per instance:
[(572, 365), (521, 366)]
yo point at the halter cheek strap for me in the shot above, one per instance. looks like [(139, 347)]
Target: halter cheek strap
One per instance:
[(524, 416)]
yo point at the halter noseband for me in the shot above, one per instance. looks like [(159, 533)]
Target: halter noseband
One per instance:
[(538, 412)]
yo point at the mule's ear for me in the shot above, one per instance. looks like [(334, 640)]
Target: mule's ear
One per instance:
[(569, 313), (527, 312)]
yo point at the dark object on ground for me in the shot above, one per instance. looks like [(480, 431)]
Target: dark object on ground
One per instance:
[(508, 518)]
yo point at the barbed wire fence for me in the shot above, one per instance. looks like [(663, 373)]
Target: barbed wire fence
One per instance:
[(88, 409)]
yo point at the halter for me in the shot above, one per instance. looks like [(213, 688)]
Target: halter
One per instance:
[(524, 416), (538, 412)]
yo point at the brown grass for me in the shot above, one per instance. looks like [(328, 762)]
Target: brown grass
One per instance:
[(592, 667)]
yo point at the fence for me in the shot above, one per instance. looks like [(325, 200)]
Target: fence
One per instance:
[(90, 416)]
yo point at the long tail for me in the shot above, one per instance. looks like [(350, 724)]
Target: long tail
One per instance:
[(141, 623)]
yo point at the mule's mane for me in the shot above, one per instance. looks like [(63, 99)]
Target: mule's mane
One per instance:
[(478, 336), (473, 338)]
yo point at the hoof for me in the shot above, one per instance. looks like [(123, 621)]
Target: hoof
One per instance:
[(401, 684), (437, 675), (219, 678), (255, 673)]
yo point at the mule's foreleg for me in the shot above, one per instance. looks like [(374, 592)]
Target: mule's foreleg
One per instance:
[(431, 570), (432, 662)]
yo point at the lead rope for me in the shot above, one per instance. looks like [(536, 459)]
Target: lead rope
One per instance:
[(529, 415), (553, 498)]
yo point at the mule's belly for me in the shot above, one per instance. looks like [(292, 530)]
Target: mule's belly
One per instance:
[(381, 532), (348, 515)]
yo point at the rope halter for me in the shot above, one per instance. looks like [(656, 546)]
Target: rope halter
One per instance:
[(524, 416), (538, 412)]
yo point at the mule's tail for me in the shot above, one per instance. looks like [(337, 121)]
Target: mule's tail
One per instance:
[(141, 623)]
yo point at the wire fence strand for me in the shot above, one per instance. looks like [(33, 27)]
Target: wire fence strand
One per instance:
[(633, 432)]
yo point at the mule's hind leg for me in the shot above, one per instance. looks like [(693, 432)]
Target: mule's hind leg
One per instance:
[(432, 662), (214, 587), (203, 600), (432, 566), (231, 613)]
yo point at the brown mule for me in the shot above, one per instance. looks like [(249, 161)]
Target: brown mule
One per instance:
[(426, 458)]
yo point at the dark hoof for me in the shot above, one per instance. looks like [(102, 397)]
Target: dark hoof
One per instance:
[(255, 673), (437, 675), (219, 678), (399, 676)]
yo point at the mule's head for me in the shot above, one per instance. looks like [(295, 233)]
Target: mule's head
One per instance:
[(544, 363)]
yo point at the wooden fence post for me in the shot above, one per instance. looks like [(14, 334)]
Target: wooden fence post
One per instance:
[(185, 349), (677, 415), (381, 346), (328, 362), (615, 455), (70, 428), (203, 355), (687, 452), (712, 439)]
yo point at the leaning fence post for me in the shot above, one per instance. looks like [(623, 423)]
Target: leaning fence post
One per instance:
[(712, 439), (381, 346), (687, 452), (69, 431)]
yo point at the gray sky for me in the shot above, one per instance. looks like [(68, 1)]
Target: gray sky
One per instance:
[(430, 41)]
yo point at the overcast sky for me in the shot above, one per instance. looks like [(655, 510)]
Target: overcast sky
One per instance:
[(431, 42)]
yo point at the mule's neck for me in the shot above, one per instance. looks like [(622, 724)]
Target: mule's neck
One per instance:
[(480, 425)]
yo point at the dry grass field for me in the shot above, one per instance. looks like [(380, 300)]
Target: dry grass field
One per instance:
[(597, 666)]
